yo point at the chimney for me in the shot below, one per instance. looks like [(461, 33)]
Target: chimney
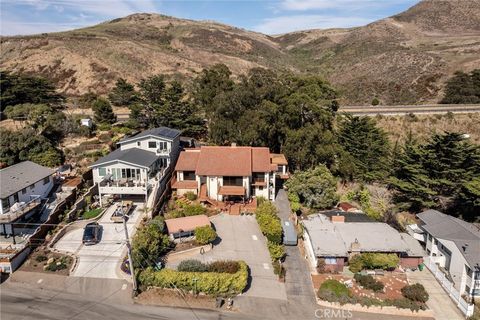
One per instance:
[(234, 144), (338, 218)]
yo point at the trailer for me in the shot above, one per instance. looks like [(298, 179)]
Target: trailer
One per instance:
[(289, 234)]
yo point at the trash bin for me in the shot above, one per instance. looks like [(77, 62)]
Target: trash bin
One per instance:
[(218, 302), (421, 266)]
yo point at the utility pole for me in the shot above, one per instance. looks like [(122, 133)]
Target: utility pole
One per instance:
[(129, 251)]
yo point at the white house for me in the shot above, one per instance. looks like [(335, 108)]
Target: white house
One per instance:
[(138, 163), (87, 122), (23, 185), (454, 245), (227, 173)]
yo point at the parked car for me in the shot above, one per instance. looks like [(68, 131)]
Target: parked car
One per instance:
[(91, 233)]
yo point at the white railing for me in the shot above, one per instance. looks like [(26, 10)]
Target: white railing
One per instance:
[(464, 306)]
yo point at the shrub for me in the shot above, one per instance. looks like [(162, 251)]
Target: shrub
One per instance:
[(277, 251), (369, 282), (415, 292), (261, 200), (192, 265), (335, 291), (355, 264), (269, 223), (211, 283), (279, 269), (194, 210), (380, 260), (41, 258), (404, 303), (205, 234), (373, 261), (191, 196), (321, 265), (224, 266), (375, 101)]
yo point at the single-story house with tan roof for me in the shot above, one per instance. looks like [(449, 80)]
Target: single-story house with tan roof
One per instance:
[(185, 226), (230, 173)]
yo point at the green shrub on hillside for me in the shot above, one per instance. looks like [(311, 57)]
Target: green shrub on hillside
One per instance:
[(192, 265), (277, 252), (369, 282)]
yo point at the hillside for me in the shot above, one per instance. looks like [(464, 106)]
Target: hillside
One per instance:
[(402, 59)]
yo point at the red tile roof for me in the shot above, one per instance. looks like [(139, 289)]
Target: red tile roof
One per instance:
[(185, 184), (186, 223), (187, 161), (278, 158), (231, 191), (226, 161), (260, 160)]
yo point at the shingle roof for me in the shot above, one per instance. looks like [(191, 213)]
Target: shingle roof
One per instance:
[(450, 228), (335, 239), (20, 176), (225, 161), (136, 156), (187, 160), (261, 160), (162, 132), (186, 224)]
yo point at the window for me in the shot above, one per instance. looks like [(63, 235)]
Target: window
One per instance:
[(138, 143), (15, 198), (46, 180), (24, 190), (162, 145), (32, 186), (233, 181), (469, 271), (152, 144), (467, 290), (188, 175), (5, 205), (102, 172), (330, 260)]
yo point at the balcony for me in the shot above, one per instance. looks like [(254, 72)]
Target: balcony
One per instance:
[(21, 210), (163, 151)]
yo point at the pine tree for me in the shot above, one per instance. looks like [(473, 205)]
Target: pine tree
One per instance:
[(410, 179), (368, 145), (123, 94), (103, 112)]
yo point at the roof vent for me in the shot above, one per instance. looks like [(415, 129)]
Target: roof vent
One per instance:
[(464, 247)]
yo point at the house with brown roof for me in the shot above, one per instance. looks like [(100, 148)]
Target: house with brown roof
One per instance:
[(230, 173)]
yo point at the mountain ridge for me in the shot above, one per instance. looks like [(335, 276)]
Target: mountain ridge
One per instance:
[(399, 59)]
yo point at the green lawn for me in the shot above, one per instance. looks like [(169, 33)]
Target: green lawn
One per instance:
[(91, 213)]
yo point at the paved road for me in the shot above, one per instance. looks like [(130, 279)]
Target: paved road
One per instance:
[(23, 301), (406, 109), (102, 259), (442, 306)]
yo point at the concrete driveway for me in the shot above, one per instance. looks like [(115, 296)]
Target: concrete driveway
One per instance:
[(442, 306), (240, 239), (103, 259)]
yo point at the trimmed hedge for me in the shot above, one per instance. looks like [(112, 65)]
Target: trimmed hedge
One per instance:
[(335, 288), (383, 261), (269, 222), (211, 283), (192, 265), (277, 251)]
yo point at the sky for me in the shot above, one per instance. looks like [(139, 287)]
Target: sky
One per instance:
[(266, 16)]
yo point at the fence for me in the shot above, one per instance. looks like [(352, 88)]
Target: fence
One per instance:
[(464, 306)]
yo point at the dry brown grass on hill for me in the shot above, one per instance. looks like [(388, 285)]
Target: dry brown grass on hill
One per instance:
[(423, 126)]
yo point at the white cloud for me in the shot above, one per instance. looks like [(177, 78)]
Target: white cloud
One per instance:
[(69, 14), (285, 24)]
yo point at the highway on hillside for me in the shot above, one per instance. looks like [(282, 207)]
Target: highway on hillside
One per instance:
[(410, 109)]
